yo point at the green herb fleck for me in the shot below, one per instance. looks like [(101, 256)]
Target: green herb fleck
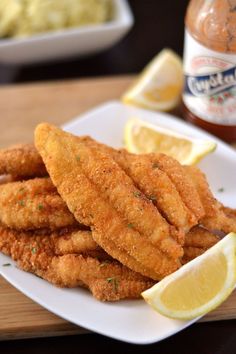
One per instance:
[(6, 264), (114, 283), (21, 189), (104, 263), (137, 194), (34, 250), (130, 226), (21, 202), (78, 158), (152, 197), (155, 165), (40, 207), (221, 190)]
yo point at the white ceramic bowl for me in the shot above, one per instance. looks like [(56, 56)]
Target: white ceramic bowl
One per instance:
[(68, 42)]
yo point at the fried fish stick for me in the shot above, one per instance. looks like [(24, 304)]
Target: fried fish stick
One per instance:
[(80, 176), (33, 204), (215, 218), (21, 160), (108, 280), (182, 182)]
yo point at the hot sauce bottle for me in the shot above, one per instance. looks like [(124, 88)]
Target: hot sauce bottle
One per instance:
[(209, 96)]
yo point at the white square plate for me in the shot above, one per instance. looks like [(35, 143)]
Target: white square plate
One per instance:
[(69, 42), (131, 321)]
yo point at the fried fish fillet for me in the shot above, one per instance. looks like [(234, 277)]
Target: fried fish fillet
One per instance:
[(21, 160), (108, 280), (102, 196), (60, 242), (183, 183), (155, 184), (77, 241), (33, 204), (197, 241), (215, 217)]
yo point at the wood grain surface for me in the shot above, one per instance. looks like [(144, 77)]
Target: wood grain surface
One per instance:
[(22, 108)]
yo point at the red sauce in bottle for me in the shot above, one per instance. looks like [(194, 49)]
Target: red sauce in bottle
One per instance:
[(209, 97)]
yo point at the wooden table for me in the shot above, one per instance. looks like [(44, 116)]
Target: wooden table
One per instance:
[(22, 108), (158, 24)]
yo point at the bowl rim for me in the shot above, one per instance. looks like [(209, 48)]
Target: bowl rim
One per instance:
[(123, 19)]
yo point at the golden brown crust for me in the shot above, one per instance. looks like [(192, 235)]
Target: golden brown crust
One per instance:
[(154, 184), (21, 160), (215, 217), (101, 195), (33, 204), (182, 182), (107, 279)]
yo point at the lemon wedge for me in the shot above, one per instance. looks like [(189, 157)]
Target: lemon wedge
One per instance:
[(199, 286), (141, 137), (160, 84)]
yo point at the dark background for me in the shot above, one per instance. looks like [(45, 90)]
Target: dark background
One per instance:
[(158, 24)]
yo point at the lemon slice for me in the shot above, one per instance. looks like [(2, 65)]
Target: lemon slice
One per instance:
[(199, 286), (141, 137), (160, 84)]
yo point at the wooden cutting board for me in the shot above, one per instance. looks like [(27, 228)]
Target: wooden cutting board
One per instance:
[(22, 108)]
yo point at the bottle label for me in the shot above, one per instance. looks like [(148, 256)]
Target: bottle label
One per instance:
[(210, 83)]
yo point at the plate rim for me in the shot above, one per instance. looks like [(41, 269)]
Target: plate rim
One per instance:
[(124, 20), (113, 104)]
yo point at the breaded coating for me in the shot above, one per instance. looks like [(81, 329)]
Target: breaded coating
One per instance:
[(197, 241), (182, 182), (33, 204), (77, 241), (102, 196), (21, 160), (108, 280), (60, 242), (215, 218), (156, 184), (153, 183), (126, 198)]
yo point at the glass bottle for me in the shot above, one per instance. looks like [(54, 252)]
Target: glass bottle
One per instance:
[(209, 96)]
